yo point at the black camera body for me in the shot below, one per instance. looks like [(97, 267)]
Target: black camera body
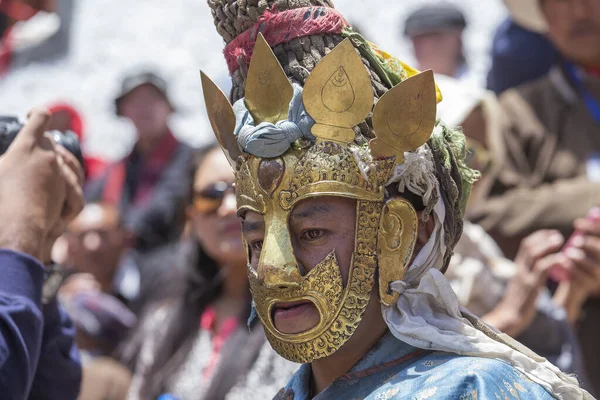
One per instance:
[(11, 126)]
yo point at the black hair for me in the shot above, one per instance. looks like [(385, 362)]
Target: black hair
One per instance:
[(200, 284), (414, 199)]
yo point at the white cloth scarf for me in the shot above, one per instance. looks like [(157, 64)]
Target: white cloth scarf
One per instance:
[(428, 316)]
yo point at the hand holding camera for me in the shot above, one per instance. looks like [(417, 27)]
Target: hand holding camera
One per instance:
[(40, 186)]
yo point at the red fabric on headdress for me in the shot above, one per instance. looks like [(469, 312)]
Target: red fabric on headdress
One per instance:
[(281, 27)]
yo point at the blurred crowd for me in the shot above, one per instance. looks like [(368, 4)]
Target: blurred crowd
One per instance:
[(156, 281)]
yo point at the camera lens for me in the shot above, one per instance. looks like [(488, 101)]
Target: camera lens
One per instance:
[(9, 128), (69, 141)]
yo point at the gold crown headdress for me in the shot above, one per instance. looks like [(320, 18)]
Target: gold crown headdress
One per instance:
[(337, 96)]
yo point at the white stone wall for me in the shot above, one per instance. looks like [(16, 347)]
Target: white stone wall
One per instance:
[(178, 36)]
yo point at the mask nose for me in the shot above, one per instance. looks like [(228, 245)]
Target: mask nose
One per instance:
[(279, 277), (278, 268)]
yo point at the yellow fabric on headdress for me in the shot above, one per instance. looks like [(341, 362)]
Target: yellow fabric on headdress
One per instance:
[(397, 67)]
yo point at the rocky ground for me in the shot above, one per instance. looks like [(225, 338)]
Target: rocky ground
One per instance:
[(111, 37)]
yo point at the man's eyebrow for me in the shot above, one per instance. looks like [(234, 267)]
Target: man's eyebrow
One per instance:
[(253, 226), (311, 211)]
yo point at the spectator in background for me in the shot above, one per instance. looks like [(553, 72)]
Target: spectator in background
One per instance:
[(102, 322), (436, 32), (99, 254), (511, 296), (519, 54), (104, 295), (150, 184), (550, 177), (552, 138), (196, 344), (66, 117)]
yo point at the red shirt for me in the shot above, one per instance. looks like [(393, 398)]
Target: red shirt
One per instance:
[(208, 323)]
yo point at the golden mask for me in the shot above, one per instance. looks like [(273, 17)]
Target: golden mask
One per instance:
[(338, 96)]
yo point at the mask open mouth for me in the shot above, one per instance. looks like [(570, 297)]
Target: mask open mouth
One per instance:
[(320, 293), (291, 313), (289, 306)]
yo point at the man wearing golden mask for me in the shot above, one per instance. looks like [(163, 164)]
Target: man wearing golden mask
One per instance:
[(352, 198)]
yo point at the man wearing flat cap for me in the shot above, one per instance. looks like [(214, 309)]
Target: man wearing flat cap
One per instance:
[(149, 185), (551, 179), (435, 31)]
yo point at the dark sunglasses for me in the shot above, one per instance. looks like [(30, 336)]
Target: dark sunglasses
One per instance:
[(208, 200)]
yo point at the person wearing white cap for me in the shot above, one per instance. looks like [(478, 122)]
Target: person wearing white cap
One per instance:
[(549, 179), (150, 184)]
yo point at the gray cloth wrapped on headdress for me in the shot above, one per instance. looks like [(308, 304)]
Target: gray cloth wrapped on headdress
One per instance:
[(269, 140)]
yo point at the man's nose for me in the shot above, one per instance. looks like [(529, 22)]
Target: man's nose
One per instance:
[(279, 277)]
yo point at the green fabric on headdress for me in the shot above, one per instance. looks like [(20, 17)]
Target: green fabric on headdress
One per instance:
[(456, 143), (390, 70), (387, 75)]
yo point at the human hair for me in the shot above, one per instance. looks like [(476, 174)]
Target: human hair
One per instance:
[(199, 284)]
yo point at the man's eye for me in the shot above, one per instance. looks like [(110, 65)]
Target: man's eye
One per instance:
[(257, 245), (314, 234)]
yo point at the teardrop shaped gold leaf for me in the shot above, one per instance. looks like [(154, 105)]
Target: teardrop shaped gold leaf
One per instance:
[(268, 90), (404, 117), (221, 117), (338, 92)]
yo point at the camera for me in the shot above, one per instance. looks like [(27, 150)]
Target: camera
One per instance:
[(11, 126)]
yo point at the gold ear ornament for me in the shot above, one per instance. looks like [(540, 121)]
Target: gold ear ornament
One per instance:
[(395, 245)]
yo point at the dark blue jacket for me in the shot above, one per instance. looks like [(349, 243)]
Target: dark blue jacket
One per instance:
[(38, 357), (518, 56)]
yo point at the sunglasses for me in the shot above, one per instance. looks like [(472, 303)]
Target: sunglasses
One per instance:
[(208, 200)]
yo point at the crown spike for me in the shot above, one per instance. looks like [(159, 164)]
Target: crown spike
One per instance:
[(268, 90), (338, 94), (221, 117), (404, 117)]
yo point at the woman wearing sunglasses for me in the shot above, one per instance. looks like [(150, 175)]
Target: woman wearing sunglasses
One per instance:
[(196, 345)]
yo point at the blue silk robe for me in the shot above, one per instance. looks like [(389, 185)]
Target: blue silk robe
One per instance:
[(396, 370)]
